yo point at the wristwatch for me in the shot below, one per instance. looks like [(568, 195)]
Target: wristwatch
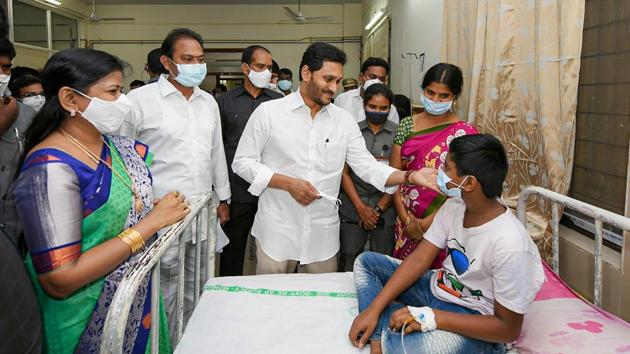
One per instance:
[(226, 201), (378, 209)]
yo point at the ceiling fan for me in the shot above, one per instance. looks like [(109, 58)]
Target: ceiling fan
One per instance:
[(95, 18), (299, 17)]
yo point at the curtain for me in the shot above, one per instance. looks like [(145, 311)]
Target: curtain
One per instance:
[(521, 61), (376, 44)]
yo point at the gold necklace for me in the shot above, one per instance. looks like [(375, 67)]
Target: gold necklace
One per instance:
[(138, 204)]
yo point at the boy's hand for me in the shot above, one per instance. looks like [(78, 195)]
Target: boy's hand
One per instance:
[(399, 318), (362, 328)]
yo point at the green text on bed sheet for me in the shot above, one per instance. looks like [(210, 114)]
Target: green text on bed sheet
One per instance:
[(261, 291)]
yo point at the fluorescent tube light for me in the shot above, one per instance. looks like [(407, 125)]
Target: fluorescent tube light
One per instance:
[(53, 2), (377, 16)]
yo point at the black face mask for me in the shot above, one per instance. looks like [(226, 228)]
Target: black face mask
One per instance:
[(377, 118)]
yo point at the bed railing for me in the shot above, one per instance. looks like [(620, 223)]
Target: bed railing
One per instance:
[(114, 328), (600, 216)]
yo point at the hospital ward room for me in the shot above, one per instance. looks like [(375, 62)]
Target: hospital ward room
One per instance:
[(314, 176)]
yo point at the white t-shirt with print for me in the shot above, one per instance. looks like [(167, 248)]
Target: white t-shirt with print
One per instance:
[(494, 261)]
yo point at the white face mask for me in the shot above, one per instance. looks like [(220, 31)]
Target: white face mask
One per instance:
[(106, 116), (37, 102), (371, 82), (272, 86), (259, 79), (4, 82)]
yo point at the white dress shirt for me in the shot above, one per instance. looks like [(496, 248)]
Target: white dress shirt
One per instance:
[(281, 137), (184, 136), (352, 102)]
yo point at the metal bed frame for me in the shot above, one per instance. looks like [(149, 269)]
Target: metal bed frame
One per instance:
[(113, 332), (114, 328)]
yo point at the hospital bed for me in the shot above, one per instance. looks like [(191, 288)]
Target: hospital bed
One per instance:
[(312, 313)]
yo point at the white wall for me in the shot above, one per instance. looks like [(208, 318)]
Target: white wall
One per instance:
[(416, 28), (224, 26)]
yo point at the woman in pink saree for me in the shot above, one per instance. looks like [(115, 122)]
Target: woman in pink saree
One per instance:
[(422, 141)]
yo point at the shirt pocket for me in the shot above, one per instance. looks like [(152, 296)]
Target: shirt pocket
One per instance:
[(333, 155)]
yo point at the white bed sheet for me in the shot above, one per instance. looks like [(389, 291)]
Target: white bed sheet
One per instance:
[(304, 313)]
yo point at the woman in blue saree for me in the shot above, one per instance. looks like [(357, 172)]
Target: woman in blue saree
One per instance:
[(86, 205)]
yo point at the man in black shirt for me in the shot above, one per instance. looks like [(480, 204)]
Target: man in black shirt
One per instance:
[(236, 106)]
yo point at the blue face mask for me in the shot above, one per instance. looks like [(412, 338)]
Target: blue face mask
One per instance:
[(376, 118), (284, 85), (435, 108), (190, 75), (443, 180)]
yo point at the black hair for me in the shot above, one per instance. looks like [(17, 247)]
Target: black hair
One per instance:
[(153, 61), (378, 90), (22, 81), (222, 87), (319, 52), (137, 83), (168, 45), (286, 71), (403, 106), (6, 48), (482, 156), (18, 71), (77, 68), (248, 53), (373, 61), (447, 74), (275, 68)]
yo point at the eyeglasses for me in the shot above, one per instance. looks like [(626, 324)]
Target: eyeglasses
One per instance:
[(33, 94)]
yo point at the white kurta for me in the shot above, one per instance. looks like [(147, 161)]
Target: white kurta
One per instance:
[(281, 137)]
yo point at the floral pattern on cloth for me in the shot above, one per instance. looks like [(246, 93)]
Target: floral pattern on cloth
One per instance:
[(90, 340), (559, 321), (521, 84)]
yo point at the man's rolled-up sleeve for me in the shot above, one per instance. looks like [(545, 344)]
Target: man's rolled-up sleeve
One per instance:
[(248, 162)]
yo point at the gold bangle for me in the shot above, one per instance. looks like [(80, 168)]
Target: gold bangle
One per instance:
[(123, 237), (420, 227), (133, 239), (129, 241)]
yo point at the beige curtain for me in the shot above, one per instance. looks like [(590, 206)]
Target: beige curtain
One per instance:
[(521, 60), (376, 44)]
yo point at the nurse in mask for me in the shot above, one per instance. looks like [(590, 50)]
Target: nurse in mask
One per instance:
[(86, 204), (365, 212), (422, 141)]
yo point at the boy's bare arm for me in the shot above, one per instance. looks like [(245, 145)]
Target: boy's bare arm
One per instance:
[(503, 327)]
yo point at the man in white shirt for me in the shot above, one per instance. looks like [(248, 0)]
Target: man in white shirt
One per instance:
[(181, 124), (292, 151), (373, 70)]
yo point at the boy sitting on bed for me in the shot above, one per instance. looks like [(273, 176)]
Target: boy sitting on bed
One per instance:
[(476, 302)]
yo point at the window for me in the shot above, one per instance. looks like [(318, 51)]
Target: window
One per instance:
[(29, 25), (64, 32)]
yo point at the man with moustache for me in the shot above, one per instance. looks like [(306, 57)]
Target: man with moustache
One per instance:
[(292, 151)]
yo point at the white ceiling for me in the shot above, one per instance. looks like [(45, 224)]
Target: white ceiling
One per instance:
[(219, 2)]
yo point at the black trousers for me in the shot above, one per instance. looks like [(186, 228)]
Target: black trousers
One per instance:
[(237, 230)]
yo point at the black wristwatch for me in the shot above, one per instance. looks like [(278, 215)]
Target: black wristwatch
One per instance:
[(226, 201), (378, 210)]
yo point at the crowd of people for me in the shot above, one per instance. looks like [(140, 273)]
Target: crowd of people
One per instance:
[(89, 176)]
